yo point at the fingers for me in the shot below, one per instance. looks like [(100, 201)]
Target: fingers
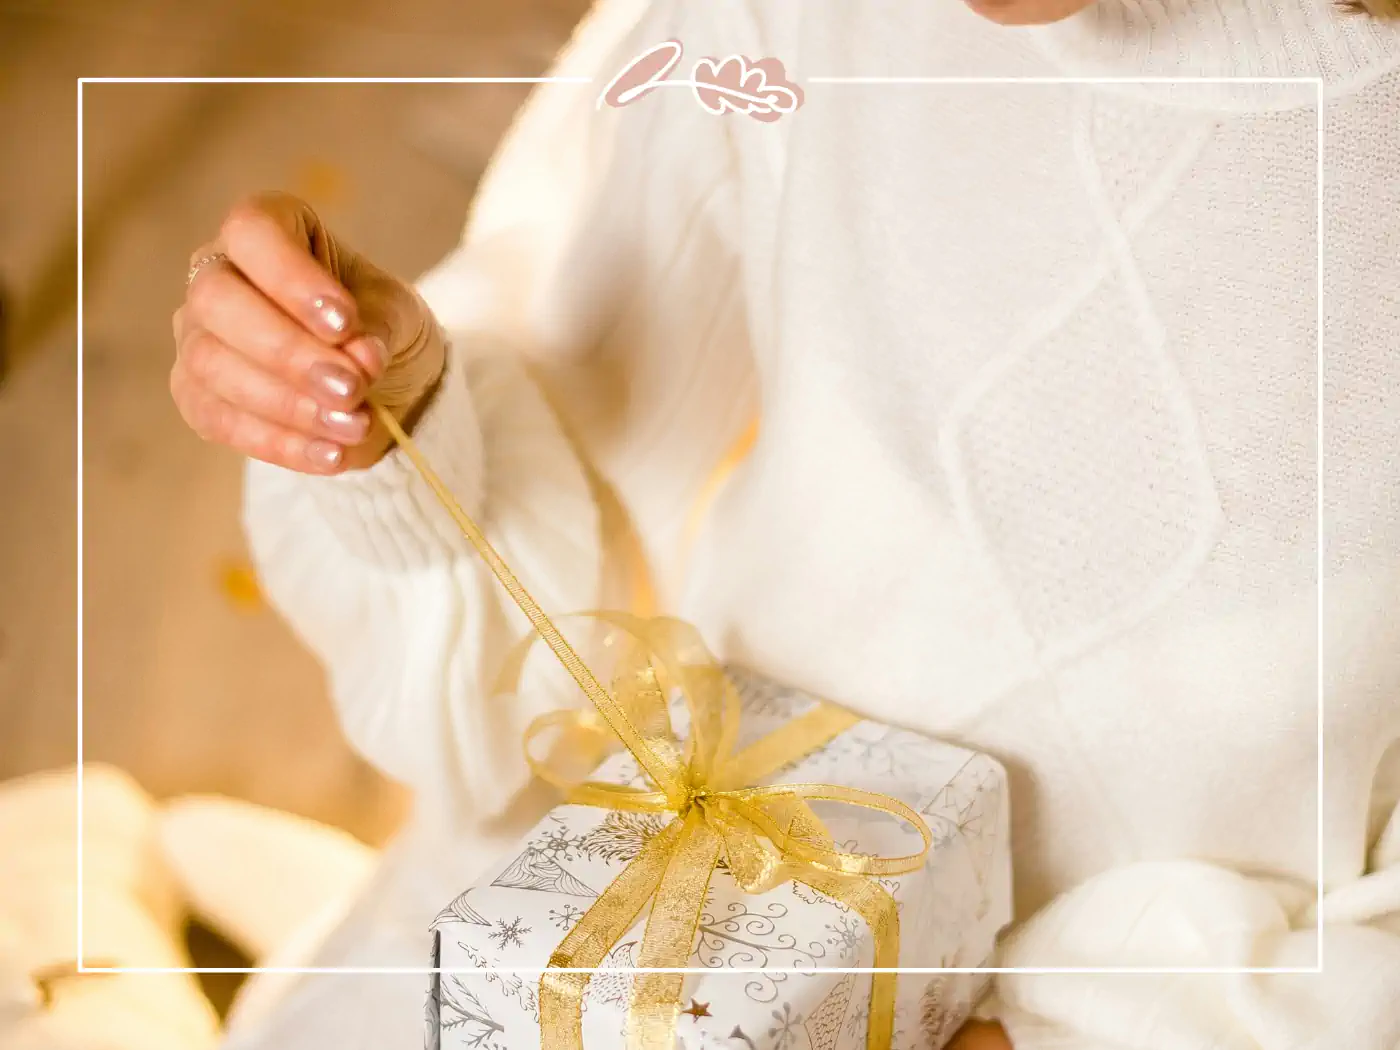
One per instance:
[(273, 239), (219, 421), (210, 363), (282, 249), (222, 302), (273, 356)]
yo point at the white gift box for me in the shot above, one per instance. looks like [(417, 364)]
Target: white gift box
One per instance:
[(792, 939)]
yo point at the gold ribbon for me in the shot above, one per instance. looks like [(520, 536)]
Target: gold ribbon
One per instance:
[(765, 834)]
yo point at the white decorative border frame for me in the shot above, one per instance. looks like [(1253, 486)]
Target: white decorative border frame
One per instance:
[(1317, 84)]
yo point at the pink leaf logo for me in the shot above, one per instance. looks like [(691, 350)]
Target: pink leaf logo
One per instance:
[(761, 89), (644, 74), (736, 84)]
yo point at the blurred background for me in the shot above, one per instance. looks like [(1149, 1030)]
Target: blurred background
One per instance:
[(192, 685)]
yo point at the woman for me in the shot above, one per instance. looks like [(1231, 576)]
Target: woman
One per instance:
[(1037, 467)]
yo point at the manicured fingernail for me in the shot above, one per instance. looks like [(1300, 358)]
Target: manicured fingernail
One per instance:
[(380, 351), (352, 426), (333, 314), (338, 382), (324, 455)]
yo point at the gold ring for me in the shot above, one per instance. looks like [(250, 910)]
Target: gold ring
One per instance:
[(200, 264)]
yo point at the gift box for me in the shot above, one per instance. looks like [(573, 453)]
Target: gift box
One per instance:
[(772, 960)]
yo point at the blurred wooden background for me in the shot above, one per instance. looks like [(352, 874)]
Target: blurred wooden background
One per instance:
[(190, 684)]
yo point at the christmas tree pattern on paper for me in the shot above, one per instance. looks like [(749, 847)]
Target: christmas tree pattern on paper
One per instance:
[(460, 910), (824, 1025), (536, 870), (621, 836), (462, 1013)]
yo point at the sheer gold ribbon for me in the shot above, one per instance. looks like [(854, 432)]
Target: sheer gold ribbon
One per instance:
[(765, 835)]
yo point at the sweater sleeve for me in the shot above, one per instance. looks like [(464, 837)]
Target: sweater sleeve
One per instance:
[(1184, 915), (366, 567)]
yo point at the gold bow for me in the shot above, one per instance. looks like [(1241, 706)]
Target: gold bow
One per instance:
[(764, 834)]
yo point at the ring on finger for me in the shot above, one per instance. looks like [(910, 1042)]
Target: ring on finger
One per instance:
[(200, 263)]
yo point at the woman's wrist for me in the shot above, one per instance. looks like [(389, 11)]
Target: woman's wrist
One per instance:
[(379, 441)]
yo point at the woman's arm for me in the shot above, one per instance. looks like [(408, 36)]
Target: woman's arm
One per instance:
[(583, 220)]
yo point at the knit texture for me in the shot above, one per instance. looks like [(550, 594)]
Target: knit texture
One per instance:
[(1038, 468)]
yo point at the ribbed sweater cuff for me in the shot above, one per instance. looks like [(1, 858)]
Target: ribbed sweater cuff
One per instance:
[(386, 514)]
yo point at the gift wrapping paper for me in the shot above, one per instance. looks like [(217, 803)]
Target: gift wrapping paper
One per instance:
[(950, 910)]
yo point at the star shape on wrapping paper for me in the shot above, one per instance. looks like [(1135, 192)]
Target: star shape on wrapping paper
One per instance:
[(697, 1010)]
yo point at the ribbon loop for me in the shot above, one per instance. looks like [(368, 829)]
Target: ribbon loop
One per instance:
[(764, 834)]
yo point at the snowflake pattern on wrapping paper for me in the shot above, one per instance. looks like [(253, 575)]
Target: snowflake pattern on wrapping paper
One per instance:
[(845, 937), (969, 806), (860, 1016), (565, 916), (785, 1027), (509, 934), (894, 754), (557, 843)]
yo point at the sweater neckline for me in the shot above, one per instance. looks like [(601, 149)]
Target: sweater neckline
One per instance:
[(1224, 39)]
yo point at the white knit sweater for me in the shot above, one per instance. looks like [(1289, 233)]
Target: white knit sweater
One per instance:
[(1037, 471)]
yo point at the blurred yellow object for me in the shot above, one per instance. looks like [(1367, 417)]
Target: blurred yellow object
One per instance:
[(239, 585), (321, 183)]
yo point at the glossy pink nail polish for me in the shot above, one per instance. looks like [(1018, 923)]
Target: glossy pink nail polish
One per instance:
[(352, 426), (332, 314), (339, 383), (323, 455)]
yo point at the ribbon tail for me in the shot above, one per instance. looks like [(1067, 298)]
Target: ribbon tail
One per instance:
[(873, 903), (670, 935), (588, 943), (785, 745)]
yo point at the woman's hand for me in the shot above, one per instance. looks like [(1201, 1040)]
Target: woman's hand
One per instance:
[(980, 1035), (284, 332)]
